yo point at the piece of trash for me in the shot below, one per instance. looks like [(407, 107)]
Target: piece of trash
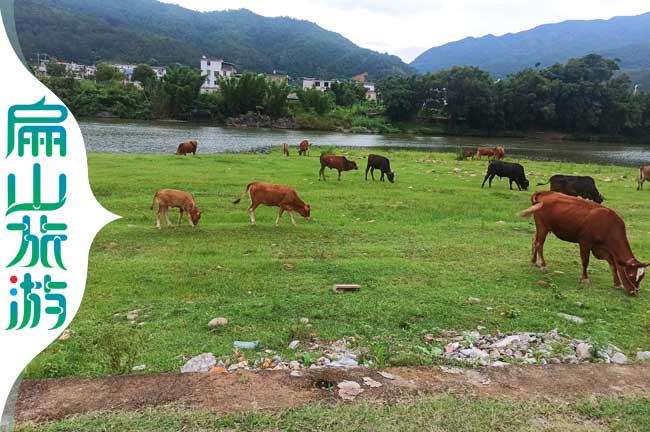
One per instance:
[(246, 345), (371, 382), (348, 390), (294, 344), (387, 375), (339, 288), (139, 368)]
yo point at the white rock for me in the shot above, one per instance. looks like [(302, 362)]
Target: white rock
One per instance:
[(201, 363), (294, 344), (217, 322), (572, 318), (505, 341), (583, 351), (294, 365), (499, 364), (387, 375), (643, 356), (348, 390), (452, 347), (304, 320), (139, 368), (132, 315), (473, 300), (619, 358), (371, 382), (296, 373), (345, 362), (67, 334)]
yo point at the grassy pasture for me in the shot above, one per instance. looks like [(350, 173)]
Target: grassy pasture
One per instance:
[(419, 248)]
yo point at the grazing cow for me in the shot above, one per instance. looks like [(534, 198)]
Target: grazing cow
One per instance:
[(494, 153), (381, 163), (275, 196), (468, 153), (597, 229), (513, 171), (166, 198), (187, 147), (644, 174), (285, 149), (339, 163), (582, 186), (303, 148)]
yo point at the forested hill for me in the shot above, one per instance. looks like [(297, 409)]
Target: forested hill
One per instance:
[(146, 31), (627, 38)]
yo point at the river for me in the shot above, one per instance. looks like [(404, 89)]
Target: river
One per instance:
[(117, 136)]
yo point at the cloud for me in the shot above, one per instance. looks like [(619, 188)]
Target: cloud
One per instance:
[(407, 26)]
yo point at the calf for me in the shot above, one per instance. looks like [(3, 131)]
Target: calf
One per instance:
[(339, 163), (495, 153), (644, 174), (381, 163), (468, 154), (285, 149), (513, 171), (166, 198), (187, 147), (275, 196), (597, 229), (582, 186), (303, 148)]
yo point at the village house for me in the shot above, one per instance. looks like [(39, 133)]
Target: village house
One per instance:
[(213, 69), (318, 84), (371, 93)]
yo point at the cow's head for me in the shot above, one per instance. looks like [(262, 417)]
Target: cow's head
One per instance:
[(525, 183), (195, 215), (631, 275), (352, 165), (305, 211), (598, 198), (391, 177)]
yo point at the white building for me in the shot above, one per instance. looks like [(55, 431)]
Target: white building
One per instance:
[(371, 93), (314, 83), (160, 71), (214, 69)]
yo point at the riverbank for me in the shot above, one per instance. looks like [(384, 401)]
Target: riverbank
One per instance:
[(419, 248)]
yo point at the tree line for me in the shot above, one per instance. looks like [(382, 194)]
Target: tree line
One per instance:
[(584, 96)]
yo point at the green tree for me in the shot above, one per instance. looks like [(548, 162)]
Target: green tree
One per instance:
[(143, 74), (348, 93), (106, 72), (275, 102), (400, 97), (316, 101), (181, 85), (56, 69)]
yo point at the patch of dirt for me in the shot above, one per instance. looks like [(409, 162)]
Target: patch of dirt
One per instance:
[(54, 399)]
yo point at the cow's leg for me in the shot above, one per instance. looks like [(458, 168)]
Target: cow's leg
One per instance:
[(518, 185), (169, 223), (612, 266), (485, 179), (490, 181), (158, 218), (251, 213), (511, 184), (180, 217), (367, 169), (321, 173), (585, 250), (277, 220), (340, 174), (538, 246), (382, 176), (293, 221), (640, 186), (372, 173)]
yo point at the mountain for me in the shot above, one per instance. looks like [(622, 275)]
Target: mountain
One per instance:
[(146, 31), (623, 37)]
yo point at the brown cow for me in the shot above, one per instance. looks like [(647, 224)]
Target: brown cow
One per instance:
[(597, 229), (339, 163), (187, 147), (285, 149), (644, 174), (275, 196), (303, 148), (468, 153), (166, 198), (494, 153)]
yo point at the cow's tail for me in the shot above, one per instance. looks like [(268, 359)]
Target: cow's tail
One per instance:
[(155, 196), (238, 200), (543, 184), (530, 210)]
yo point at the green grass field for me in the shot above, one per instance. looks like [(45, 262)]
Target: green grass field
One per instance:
[(418, 247)]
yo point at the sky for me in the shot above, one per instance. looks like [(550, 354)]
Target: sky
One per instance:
[(408, 27)]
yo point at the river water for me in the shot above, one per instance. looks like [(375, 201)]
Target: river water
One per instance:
[(116, 136)]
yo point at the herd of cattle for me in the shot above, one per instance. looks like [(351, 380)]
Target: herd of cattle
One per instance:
[(598, 230)]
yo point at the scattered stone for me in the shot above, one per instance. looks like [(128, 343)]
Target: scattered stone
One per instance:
[(296, 374), (217, 322), (288, 266), (294, 344), (505, 341), (583, 351), (499, 364), (452, 347), (349, 390), (428, 339), (132, 315), (139, 368), (451, 370), (500, 222), (473, 300), (345, 362), (294, 365), (572, 318), (67, 334), (643, 356), (619, 358), (304, 320), (542, 282), (387, 375), (201, 363), (456, 170), (371, 382), (218, 370)]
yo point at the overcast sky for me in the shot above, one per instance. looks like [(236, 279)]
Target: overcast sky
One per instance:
[(408, 27)]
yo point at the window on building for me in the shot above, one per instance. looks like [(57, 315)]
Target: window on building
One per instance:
[(326, 84), (208, 62), (317, 84)]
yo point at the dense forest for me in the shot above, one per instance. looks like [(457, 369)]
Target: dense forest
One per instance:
[(147, 31), (583, 97)]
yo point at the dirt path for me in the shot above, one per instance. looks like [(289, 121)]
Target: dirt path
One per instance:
[(41, 400)]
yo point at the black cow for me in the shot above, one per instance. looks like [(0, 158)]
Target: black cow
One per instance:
[(582, 186), (381, 163), (513, 171)]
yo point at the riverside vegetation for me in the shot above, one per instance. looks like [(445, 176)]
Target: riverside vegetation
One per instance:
[(420, 248)]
